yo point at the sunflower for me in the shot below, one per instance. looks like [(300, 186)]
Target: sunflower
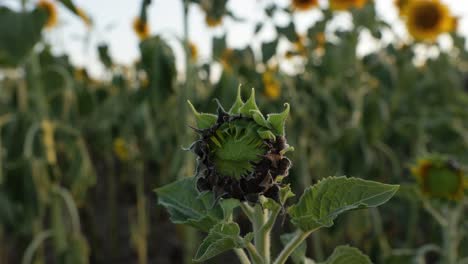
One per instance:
[(439, 177), (240, 153), (401, 6), (340, 5), (51, 11), (193, 51), (213, 21), (121, 149), (226, 59), (272, 87), (141, 28), (427, 19), (303, 5)]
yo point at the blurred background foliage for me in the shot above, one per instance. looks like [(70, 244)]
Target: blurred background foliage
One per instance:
[(79, 156)]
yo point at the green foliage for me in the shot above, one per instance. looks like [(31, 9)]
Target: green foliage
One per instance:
[(347, 255), (20, 31), (220, 238), (187, 206), (323, 202)]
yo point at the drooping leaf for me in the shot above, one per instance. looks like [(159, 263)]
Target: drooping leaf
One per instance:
[(187, 206), (322, 203), (19, 32), (222, 237), (347, 255)]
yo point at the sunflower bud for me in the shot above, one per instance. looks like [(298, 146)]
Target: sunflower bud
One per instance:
[(240, 153), (439, 177)]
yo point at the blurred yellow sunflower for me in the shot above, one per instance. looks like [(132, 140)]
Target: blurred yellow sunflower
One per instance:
[(141, 28), (193, 49), (51, 11), (121, 149), (272, 86), (340, 5), (427, 19), (226, 59), (213, 21), (401, 5), (303, 5), (439, 178)]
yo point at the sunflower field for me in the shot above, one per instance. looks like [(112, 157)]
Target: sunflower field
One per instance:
[(169, 159)]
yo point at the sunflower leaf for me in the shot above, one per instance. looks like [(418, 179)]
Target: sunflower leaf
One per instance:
[(347, 255), (320, 204)]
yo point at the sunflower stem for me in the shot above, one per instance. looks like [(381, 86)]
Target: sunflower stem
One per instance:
[(243, 258), (254, 254), (292, 245), (451, 235), (261, 235)]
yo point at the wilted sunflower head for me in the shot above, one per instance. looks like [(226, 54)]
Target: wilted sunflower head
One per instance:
[(302, 5), (51, 11), (240, 153), (439, 177), (427, 19), (141, 28), (341, 5)]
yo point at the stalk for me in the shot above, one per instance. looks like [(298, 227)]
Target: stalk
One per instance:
[(292, 245), (261, 235), (142, 246), (450, 235), (243, 258)]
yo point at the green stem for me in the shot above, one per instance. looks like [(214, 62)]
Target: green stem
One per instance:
[(292, 245), (378, 229), (34, 246), (243, 258), (450, 235), (248, 211), (261, 235), (254, 255)]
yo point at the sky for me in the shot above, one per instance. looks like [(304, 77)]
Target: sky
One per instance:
[(112, 24)]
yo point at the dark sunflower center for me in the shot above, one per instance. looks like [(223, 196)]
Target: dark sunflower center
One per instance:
[(442, 181), (235, 147), (427, 17)]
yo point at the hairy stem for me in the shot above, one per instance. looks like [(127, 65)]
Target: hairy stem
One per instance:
[(261, 235), (292, 245), (254, 255), (243, 258), (451, 235)]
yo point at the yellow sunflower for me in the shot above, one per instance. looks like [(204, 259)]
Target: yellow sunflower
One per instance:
[(272, 86), (439, 178), (121, 149), (401, 5), (193, 51), (427, 19), (213, 21), (51, 11), (302, 5), (341, 5), (226, 59), (141, 28)]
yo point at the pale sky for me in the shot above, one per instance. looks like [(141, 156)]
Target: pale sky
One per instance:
[(113, 25)]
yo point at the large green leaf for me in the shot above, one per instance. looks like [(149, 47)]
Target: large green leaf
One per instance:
[(322, 203), (19, 32), (187, 206), (347, 255), (222, 237)]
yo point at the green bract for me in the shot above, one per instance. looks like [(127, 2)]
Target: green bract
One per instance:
[(240, 152)]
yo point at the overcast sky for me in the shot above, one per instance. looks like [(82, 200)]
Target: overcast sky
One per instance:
[(113, 25)]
